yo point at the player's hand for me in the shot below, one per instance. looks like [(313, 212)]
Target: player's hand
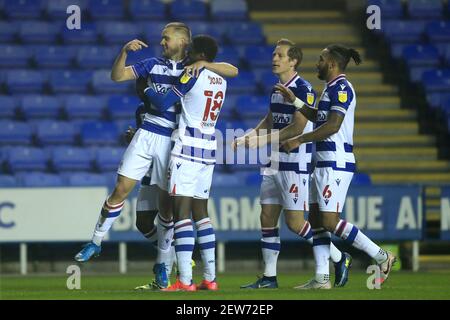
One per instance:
[(238, 142), (193, 70), (129, 134), (290, 144), (134, 45), (287, 93)]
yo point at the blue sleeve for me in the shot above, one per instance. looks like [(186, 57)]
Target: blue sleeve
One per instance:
[(143, 68), (306, 94), (161, 101), (184, 84), (340, 98)]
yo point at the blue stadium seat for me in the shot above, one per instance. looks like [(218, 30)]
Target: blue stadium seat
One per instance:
[(119, 32), (23, 9), (436, 99), (102, 83), (267, 81), (57, 9), (249, 106), (25, 81), (403, 31), (425, 9), (27, 159), (259, 56), (243, 84), (8, 181), (122, 125), (415, 73), (86, 179), (72, 159), (8, 107), (389, 8), (123, 106), (245, 33), (106, 9), (14, 56), (56, 132), (253, 179), (361, 179), (438, 31), (54, 56), (421, 55), (147, 9), (228, 54), (111, 178), (228, 180), (67, 81), (447, 55), (38, 179), (229, 10), (88, 34), (181, 10), (38, 106), (15, 133), (437, 80), (99, 133), (152, 32), (108, 158), (84, 107), (96, 57), (211, 29), (39, 32), (8, 31)]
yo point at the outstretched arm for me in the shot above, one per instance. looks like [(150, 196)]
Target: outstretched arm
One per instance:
[(161, 101), (221, 68), (119, 71)]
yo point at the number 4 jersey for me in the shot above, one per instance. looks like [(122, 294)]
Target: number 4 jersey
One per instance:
[(201, 99)]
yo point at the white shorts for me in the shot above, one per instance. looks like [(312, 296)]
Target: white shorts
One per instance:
[(148, 198), (189, 179), (329, 188), (286, 188), (145, 150)]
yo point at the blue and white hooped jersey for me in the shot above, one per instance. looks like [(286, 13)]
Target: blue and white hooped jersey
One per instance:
[(201, 99), (299, 159), (161, 75), (337, 150)]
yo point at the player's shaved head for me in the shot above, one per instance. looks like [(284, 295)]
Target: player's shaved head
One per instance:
[(181, 29), (294, 51)]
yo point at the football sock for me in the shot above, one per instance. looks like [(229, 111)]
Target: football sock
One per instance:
[(108, 214), (306, 234), (321, 249), (207, 243), (184, 246), (270, 244)]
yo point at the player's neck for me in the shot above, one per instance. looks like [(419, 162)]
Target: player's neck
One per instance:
[(178, 57), (286, 76), (333, 75)]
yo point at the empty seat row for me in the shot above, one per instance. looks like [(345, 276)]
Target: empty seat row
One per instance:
[(417, 9)]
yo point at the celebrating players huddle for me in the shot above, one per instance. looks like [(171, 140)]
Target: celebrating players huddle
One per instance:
[(172, 153)]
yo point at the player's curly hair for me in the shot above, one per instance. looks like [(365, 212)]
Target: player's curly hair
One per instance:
[(342, 55), (206, 45), (294, 52)]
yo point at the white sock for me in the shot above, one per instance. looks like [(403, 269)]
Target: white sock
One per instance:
[(172, 260), (352, 235), (165, 236), (306, 234), (335, 254), (321, 249), (207, 243), (270, 244), (184, 246), (108, 214)]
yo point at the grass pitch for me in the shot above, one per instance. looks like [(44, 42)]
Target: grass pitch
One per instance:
[(401, 285)]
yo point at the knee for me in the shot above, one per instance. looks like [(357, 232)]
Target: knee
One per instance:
[(330, 224), (295, 223)]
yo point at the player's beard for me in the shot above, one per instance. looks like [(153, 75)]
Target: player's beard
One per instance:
[(169, 53), (322, 72)]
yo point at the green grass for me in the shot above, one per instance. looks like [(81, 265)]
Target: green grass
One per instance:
[(401, 285)]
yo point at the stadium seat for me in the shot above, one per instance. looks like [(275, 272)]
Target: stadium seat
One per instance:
[(211, 29), (39, 32), (119, 32), (249, 106), (106, 9), (436, 80), (15, 133), (96, 57), (102, 83), (26, 159), (108, 158), (147, 9), (86, 35), (152, 32), (259, 56), (447, 56), (84, 107), (403, 31), (436, 99), (415, 73), (253, 179), (72, 159), (361, 179), (23, 9), (421, 55), (227, 180), (8, 107), (67, 81), (86, 179), (228, 10), (54, 56), (245, 33), (14, 56), (228, 54), (425, 9), (8, 181), (123, 106), (438, 31), (390, 8), (25, 81), (267, 80), (57, 9), (38, 179), (38, 106), (56, 132), (243, 84), (123, 125), (8, 31), (111, 178), (99, 133), (181, 10)]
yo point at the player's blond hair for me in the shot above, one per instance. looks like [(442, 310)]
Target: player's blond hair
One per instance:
[(294, 52), (181, 28)]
